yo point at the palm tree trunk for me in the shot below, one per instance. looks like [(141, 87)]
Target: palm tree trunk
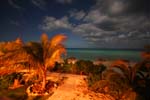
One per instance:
[(44, 79), (16, 83)]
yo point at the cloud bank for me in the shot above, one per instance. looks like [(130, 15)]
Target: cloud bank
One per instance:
[(123, 23), (39, 3), (14, 4), (64, 1)]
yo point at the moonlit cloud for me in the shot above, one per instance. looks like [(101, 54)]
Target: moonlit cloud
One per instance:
[(51, 23), (14, 4), (65, 1), (78, 14), (39, 3), (95, 16), (116, 7), (108, 22)]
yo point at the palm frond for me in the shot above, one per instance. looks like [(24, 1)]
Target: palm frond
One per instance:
[(55, 56), (57, 39), (44, 39), (53, 49), (111, 73), (35, 49), (140, 74), (123, 67)]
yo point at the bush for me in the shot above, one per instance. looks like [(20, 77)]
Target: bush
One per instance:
[(92, 78), (95, 74), (65, 68), (4, 82), (113, 84), (84, 66), (7, 80), (141, 82), (113, 89)]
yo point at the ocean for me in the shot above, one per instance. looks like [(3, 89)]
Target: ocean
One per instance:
[(107, 54)]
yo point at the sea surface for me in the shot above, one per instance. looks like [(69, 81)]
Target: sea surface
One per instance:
[(107, 54)]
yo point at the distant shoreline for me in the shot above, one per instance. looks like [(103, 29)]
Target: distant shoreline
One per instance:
[(107, 54), (105, 49)]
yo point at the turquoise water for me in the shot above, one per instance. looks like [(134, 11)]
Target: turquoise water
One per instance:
[(92, 54)]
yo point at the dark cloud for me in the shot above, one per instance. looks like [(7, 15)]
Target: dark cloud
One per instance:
[(64, 1), (123, 7), (115, 23), (139, 6), (121, 22), (51, 23), (39, 3), (106, 25), (78, 15), (14, 4)]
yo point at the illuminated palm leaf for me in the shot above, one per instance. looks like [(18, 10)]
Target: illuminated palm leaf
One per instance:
[(57, 39), (123, 66), (128, 71)]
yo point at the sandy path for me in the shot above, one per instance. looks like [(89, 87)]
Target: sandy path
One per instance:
[(74, 88)]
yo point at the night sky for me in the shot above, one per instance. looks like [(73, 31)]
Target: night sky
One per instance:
[(87, 23)]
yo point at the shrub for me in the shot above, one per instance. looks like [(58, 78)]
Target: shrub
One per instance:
[(113, 84), (92, 78), (84, 66), (112, 88), (95, 74), (7, 80)]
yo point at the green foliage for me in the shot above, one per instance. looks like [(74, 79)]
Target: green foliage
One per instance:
[(99, 86), (97, 69), (15, 94), (107, 87), (95, 74), (142, 79), (66, 68), (144, 65), (7, 80), (56, 67), (113, 84), (62, 68), (4, 82), (84, 66), (92, 78)]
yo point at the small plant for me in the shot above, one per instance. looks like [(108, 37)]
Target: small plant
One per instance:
[(7, 80)]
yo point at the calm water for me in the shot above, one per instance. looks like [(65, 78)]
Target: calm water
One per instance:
[(92, 54)]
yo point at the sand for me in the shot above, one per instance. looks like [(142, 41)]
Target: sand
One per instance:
[(75, 87)]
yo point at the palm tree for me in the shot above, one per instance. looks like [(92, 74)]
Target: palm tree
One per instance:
[(142, 79), (10, 60), (128, 71), (52, 50), (44, 55), (39, 55)]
